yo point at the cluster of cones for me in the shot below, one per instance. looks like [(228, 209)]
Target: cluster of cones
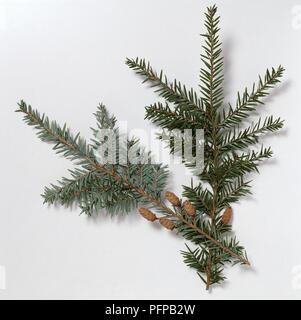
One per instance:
[(186, 207), (167, 223)]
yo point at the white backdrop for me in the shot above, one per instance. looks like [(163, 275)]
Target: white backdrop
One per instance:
[(64, 57)]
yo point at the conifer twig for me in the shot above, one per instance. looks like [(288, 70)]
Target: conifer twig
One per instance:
[(227, 158), (35, 120)]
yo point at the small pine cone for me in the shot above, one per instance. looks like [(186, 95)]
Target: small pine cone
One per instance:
[(147, 214), (173, 199), (189, 208), (166, 223), (227, 215)]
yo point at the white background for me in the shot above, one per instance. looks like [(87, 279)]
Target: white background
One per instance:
[(64, 57)]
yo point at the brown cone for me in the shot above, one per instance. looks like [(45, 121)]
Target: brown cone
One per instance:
[(227, 215), (172, 198), (166, 223), (189, 208), (147, 214)]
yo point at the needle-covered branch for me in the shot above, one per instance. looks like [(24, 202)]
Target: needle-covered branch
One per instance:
[(248, 101), (228, 158), (186, 101), (112, 187)]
